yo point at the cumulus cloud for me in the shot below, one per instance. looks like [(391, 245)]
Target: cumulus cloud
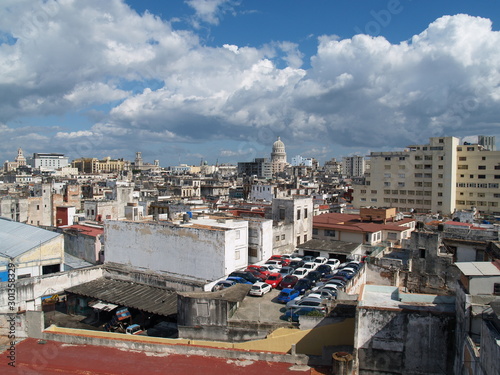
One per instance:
[(210, 11), (148, 83)]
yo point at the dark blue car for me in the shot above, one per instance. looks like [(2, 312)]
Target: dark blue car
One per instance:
[(288, 294), (239, 280), (293, 314), (303, 285)]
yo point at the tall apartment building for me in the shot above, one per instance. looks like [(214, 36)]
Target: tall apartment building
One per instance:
[(438, 177), (353, 166)]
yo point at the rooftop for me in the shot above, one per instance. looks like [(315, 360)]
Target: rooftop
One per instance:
[(478, 268), (125, 293), (18, 238)]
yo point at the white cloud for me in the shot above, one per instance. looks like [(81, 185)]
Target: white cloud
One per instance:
[(210, 11), (363, 91)]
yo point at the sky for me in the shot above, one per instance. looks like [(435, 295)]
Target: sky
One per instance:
[(219, 80)]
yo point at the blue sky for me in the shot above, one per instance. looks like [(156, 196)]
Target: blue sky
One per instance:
[(219, 80)]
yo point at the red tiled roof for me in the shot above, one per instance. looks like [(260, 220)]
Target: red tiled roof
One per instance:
[(352, 223), (84, 229)]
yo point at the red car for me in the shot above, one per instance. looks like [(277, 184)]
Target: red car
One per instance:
[(274, 279), (258, 274), (264, 270), (288, 281), (284, 261)]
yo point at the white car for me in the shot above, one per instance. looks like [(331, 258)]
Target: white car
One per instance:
[(333, 263), (310, 266), (300, 272), (259, 289), (270, 268), (320, 260), (274, 263)]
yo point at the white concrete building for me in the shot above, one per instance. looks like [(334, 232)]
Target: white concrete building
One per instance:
[(299, 160), (203, 249), (48, 161), (353, 166)]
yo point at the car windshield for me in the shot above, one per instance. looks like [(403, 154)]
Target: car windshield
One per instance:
[(272, 277), (255, 287), (285, 294), (289, 279)]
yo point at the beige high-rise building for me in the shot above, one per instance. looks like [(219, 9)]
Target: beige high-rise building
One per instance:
[(278, 157), (438, 177)]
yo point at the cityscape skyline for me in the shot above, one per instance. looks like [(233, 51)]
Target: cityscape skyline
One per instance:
[(221, 80)]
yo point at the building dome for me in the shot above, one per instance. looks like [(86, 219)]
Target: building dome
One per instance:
[(278, 147)]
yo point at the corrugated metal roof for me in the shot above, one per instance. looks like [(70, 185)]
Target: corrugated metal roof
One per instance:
[(478, 268), (18, 238), (129, 294)]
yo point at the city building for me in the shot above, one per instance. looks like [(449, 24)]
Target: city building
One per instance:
[(300, 161), (260, 168), (29, 251), (278, 157), (353, 166), (202, 249), (439, 177), (48, 161), (19, 161)]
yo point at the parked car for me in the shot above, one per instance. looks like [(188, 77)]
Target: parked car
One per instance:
[(287, 295), (286, 270), (339, 277), (303, 285), (258, 275), (293, 314), (346, 273), (275, 263), (284, 260), (261, 269), (310, 266), (307, 258), (223, 284), (259, 289), (270, 268), (314, 276), (306, 301), (288, 281), (339, 282), (334, 263), (238, 280), (324, 269), (320, 260), (355, 264), (300, 272), (296, 263), (323, 294), (246, 275), (331, 287), (274, 279)]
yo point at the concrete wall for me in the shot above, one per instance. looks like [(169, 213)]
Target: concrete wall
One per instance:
[(205, 254), (82, 246), (403, 342), (490, 348), (29, 291)]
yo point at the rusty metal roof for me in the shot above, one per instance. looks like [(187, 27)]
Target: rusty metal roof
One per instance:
[(129, 294)]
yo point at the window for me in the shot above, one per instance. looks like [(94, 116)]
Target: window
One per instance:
[(402, 192), (387, 158), (428, 157), (482, 176), (282, 214), (418, 157), (401, 184), (315, 231), (305, 237), (362, 191), (305, 213), (298, 214), (470, 148), (395, 192), (298, 240), (401, 175), (387, 184), (329, 233), (374, 191), (462, 158), (387, 175), (496, 289), (440, 176), (422, 253), (440, 167), (481, 167), (282, 237), (38, 207), (238, 234), (277, 238), (387, 192), (463, 166), (387, 167)]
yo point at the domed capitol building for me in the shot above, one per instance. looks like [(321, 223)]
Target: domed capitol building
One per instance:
[(278, 157)]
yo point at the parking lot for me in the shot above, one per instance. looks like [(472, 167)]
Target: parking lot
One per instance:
[(261, 309)]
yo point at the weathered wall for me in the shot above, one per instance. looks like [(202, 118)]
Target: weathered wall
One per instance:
[(48, 253), (490, 348), (397, 341), (190, 251), (82, 246), (29, 291)]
